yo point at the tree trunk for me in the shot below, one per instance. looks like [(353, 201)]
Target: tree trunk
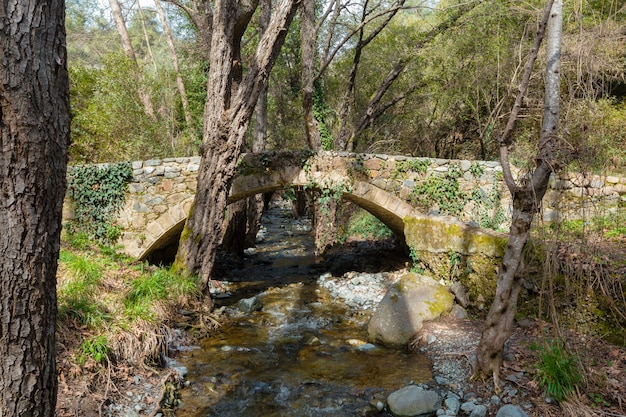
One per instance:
[(526, 200), (179, 79), (256, 204), (236, 222), (224, 130), (127, 46), (374, 109), (307, 41), (34, 125), (235, 227)]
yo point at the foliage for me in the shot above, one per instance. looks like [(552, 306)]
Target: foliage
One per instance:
[(153, 287), (418, 266), (597, 136), (120, 306), (98, 192), (411, 165), (77, 294), (488, 209), (322, 114), (365, 225), (109, 122), (476, 169), (96, 348), (557, 370), (442, 190)]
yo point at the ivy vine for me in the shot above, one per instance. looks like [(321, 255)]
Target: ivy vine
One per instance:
[(444, 190), (98, 193), (322, 114)]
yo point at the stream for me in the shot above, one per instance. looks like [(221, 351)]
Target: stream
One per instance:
[(304, 353)]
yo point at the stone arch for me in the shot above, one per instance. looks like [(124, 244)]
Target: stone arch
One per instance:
[(165, 230), (388, 208)]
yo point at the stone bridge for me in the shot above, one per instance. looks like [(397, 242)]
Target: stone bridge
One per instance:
[(407, 194)]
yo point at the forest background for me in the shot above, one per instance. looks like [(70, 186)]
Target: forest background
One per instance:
[(438, 80), (420, 78)]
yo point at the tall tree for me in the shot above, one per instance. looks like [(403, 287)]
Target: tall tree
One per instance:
[(226, 122), (34, 124), (179, 79), (127, 46), (527, 195), (259, 143), (307, 41), (362, 42)]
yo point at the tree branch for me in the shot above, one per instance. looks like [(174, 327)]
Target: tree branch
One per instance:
[(505, 139)]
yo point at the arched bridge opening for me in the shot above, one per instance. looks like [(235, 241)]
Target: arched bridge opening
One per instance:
[(387, 208)]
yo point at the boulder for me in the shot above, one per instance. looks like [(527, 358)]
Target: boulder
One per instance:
[(413, 401), (249, 305), (408, 303)]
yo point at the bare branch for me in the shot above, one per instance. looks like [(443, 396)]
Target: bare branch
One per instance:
[(504, 139), (328, 59)]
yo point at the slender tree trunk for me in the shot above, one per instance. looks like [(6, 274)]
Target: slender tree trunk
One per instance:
[(147, 39), (34, 128), (224, 130), (374, 109), (526, 199), (307, 45), (179, 79), (127, 46)]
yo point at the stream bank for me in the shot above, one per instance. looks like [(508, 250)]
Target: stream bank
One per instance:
[(305, 286)]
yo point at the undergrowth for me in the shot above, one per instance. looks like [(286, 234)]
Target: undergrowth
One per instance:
[(365, 225), (557, 370), (116, 308)]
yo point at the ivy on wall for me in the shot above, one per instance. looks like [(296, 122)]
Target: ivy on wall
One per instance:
[(98, 192)]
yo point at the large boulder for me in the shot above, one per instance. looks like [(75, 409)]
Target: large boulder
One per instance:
[(413, 401), (411, 301)]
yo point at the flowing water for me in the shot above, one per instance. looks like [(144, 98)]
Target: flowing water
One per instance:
[(302, 354)]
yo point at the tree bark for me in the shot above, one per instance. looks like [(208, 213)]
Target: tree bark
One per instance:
[(224, 130), (34, 125), (256, 204), (236, 222), (526, 199)]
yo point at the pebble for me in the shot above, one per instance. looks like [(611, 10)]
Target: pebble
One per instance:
[(452, 404), (479, 411)]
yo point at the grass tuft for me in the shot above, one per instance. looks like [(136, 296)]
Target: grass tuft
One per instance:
[(95, 348), (557, 370)]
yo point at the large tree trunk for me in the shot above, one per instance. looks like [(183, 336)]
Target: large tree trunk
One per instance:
[(224, 130), (256, 204), (34, 124), (526, 199), (236, 221)]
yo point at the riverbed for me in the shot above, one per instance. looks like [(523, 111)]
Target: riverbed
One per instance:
[(303, 351)]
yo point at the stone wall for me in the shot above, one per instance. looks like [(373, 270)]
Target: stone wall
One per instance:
[(159, 198), (570, 197), (161, 192)]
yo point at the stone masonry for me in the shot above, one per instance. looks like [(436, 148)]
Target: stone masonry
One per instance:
[(162, 191)]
